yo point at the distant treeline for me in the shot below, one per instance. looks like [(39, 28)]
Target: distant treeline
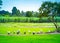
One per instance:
[(45, 10), (18, 13), (23, 14)]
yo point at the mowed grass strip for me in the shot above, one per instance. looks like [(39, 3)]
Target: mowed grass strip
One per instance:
[(45, 38), (26, 27)]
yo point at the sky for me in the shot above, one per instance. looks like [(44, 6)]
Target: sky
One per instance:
[(23, 5)]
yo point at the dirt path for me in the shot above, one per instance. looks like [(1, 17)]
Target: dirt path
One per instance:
[(25, 35)]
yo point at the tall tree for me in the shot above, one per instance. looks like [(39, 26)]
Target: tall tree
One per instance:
[(15, 12)]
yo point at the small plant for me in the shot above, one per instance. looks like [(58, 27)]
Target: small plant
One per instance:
[(24, 32), (33, 33), (18, 32), (9, 32)]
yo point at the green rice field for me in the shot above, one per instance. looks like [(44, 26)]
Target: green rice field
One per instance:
[(26, 27)]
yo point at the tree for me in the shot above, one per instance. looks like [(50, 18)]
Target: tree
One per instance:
[(45, 8), (18, 13), (28, 14), (23, 13), (4, 13), (58, 8), (50, 9), (0, 3), (15, 12), (35, 14)]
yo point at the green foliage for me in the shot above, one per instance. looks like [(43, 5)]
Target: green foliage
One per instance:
[(28, 14), (18, 13), (19, 19), (15, 12), (23, 14), (27, 19), (0, 3), (49, 9), (5, 13), (35, 14)]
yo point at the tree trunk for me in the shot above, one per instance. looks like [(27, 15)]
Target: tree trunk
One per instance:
[(55, 24)]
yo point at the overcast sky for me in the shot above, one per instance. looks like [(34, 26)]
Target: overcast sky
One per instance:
[(25, 5)]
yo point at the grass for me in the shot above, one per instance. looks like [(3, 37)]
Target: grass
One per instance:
[(44, 38), (26, 27)]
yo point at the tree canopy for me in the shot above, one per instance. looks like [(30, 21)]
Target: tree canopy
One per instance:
[(49, 9), (15, 11), (0, 3), (28, 14)]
